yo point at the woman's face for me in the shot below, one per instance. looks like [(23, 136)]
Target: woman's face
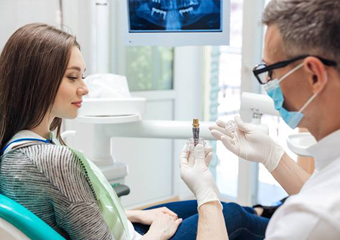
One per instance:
[(72, 88)]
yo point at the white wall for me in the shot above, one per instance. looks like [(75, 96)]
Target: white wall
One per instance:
[(16, 13), (77, 19)]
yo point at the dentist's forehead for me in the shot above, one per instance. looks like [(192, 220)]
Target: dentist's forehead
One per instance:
[(273, 46)]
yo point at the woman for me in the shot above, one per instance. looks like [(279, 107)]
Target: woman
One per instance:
[(41, 82)]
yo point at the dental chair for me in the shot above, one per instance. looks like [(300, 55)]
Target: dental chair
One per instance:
[(18, 223)]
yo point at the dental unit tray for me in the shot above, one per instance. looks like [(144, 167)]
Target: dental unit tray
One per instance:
[(111, 110), (110, 119), (112, 106), (300, 142)]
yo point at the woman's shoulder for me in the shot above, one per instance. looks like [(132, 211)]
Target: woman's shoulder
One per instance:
[(37, 147), (46, 152), (61, 166), (45, 157), (56, 164)]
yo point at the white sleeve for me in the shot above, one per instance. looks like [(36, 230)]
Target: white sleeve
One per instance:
[(297, 225), (298, 222)]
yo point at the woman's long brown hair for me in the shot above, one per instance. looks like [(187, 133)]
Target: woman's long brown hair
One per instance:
[(32, 66)]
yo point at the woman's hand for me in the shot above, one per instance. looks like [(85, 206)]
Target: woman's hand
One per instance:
[(147, 217), (163, 227)]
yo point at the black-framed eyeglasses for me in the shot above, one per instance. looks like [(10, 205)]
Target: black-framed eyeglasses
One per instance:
[(264, 73)]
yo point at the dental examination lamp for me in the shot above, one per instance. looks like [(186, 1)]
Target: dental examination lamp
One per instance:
[(257, 105)]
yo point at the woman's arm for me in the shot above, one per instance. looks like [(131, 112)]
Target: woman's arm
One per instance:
[(163, 227), (163, 221), (73, 202), (133, 215), (76, 207), (83, 220), (147, 217)]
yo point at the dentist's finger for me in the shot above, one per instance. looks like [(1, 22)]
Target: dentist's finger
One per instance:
[(184, 152), (208, 159), (242, 125), (221, 130), (184, 156), (199, 153), (207, 150), (229, 144), (191, 159), (221, 123), (217, 134)]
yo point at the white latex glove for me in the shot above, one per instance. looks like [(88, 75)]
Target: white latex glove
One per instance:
[(195, 173), (249, 143)]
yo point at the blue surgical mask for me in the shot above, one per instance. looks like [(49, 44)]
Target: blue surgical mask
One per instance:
[(274, 91)]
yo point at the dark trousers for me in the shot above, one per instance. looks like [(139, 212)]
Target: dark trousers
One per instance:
[(241, 222)]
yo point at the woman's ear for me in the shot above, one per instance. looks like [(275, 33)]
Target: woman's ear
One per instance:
[(316, 73)]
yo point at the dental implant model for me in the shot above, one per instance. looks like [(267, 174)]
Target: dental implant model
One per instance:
[(196, 131), (231, 127), (192, 142)]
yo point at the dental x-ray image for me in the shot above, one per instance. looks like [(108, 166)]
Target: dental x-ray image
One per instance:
[(175, 15)]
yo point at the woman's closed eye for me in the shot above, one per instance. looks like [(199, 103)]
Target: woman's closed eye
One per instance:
[(73, 78)]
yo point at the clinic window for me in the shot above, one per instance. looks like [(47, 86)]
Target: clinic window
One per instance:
[(149, 68), (230, 62)]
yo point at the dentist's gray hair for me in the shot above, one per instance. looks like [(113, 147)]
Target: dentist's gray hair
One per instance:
[(307, 26)]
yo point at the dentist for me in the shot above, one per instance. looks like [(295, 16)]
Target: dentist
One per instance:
[(301, 73)]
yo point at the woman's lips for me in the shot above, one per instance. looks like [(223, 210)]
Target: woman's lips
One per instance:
[(77, 104)]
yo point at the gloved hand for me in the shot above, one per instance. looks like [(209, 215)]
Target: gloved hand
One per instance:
[(194, 169), (249, 143)]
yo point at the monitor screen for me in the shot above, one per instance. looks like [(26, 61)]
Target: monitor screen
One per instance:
[(168, 16), (175, 22)]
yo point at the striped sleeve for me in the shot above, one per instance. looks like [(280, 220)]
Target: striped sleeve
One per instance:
[(64, 187)]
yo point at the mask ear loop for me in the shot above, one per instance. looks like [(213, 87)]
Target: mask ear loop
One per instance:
[(313, 97), (290, 72), (308, 102)]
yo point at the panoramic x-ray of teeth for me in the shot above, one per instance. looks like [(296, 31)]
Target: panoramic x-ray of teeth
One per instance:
[(175, 15)]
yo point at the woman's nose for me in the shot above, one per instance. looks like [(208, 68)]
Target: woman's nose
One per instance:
[(83, 90)]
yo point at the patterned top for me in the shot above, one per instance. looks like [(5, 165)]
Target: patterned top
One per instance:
[(51, 182)]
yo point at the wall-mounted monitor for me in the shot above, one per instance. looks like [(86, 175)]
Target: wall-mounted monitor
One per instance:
[(175, 22)]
